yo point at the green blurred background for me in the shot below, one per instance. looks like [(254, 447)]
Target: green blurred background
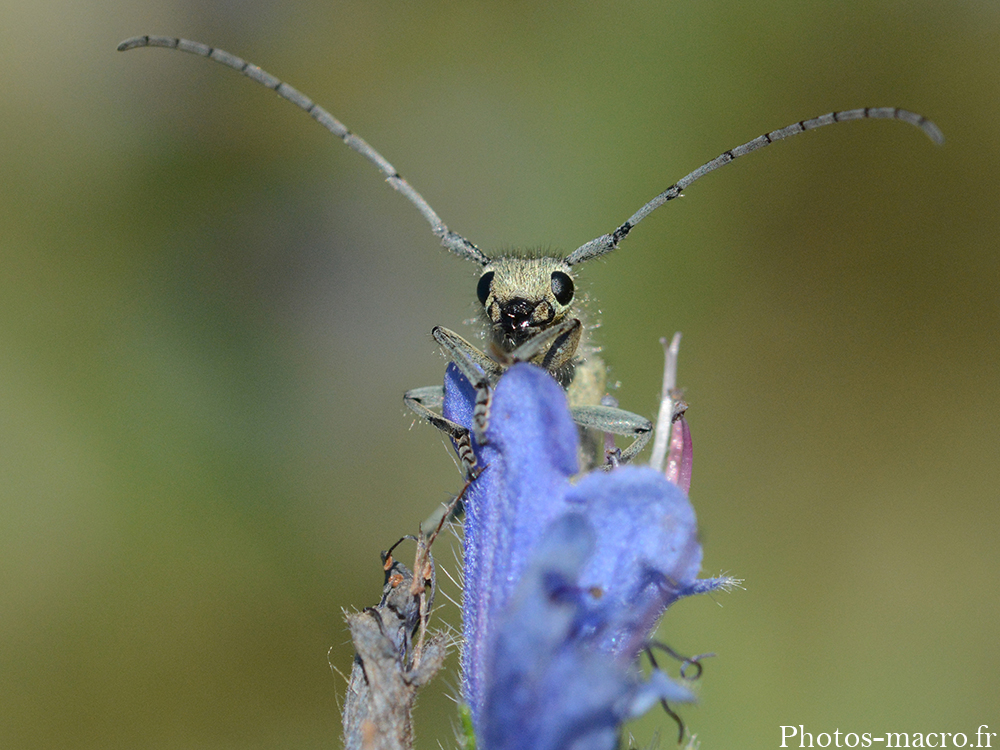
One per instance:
[(210, 309)]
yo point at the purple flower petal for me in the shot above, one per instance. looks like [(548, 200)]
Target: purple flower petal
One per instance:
[(563, 580), (530, 457), (547, 687), (647, 552)]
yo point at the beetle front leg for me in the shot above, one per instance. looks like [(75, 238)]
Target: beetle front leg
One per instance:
[(478, 369)]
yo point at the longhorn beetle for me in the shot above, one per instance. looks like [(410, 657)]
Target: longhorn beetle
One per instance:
[(527, 302)]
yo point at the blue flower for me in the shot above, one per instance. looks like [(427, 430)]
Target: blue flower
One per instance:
[(564, 576)]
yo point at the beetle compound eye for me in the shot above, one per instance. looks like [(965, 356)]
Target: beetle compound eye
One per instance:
[(483, 288), (562, 287)]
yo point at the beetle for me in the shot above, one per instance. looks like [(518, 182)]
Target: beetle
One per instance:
[(527, 301)]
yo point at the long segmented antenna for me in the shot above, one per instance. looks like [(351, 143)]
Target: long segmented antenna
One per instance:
[(608, 242), (449, 239)]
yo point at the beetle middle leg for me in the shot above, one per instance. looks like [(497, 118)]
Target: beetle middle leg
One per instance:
[(617, 422), (422, 402)]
